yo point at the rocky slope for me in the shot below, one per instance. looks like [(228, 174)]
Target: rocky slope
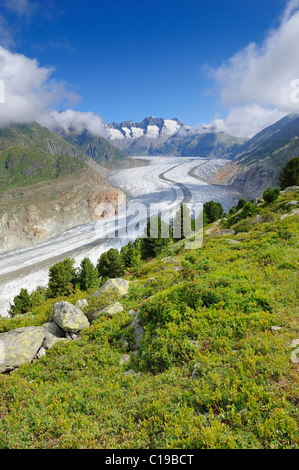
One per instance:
[(259, 161), (36, 213)]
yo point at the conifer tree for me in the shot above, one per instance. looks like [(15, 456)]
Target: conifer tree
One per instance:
[(22, 303), (110, 264), (154, 242), (88, 276), (290, 174), (62, 278)]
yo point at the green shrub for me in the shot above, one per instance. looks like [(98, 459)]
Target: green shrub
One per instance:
[(270, 195)]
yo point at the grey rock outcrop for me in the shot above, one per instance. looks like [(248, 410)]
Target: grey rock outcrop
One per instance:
[(117, 285), (69, 317), (110, 310), (138, 330), (20, 346)]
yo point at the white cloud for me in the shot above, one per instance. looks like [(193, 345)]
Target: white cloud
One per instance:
[(75, 121), (30, 91), (31, 94), (255, 84)]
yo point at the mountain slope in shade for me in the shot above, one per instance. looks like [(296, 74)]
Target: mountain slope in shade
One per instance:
[(260, 160), (158, 136), (100, 150)]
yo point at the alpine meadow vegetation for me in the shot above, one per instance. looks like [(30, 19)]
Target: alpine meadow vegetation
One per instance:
[(213, 369)]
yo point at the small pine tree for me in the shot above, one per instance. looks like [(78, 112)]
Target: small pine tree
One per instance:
[(182, 223), (62, 278), (88, 276), (110, 264), (130, 255), (241, 204), (22, 303), (213, 210), (290, 174), (153, 243)]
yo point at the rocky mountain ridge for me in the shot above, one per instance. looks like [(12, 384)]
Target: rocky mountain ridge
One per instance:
[(259, 161), (159, 136)]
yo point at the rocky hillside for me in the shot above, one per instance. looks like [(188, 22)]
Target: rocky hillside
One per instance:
[(36, 213), (157, 136), (259, 161), (193, 349), (47, 186)]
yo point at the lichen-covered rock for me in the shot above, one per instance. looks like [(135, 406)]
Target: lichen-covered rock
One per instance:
[(54, 329), (50, 340), (292, 204), (117, 286), (138, 330), (81, 303), (111, 309), (69, 317), (125, 358), (20, 346)]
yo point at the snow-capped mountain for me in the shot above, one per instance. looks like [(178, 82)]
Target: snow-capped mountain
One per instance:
[(158, 136), (150, 127)]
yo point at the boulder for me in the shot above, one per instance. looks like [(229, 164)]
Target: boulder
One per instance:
[(294, 212), (20, 346), (117, 286), (233, 242), (125, 358), (69, 317), (130, 372), (292, 204), (111, 309), (228, 232), (291, 189), (81, 303), (50, 340), (55, 330), (138, 330)]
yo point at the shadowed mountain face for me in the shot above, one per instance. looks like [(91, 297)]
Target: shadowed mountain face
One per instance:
[(100, 150), (157, 136), (260, 160)]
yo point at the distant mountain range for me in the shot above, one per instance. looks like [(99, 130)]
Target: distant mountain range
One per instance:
[(158, 136)]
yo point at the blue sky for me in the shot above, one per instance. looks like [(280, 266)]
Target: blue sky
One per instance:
[(131, 59)]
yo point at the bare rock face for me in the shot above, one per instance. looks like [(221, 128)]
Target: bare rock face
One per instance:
[(20, 346), (60, 205)]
